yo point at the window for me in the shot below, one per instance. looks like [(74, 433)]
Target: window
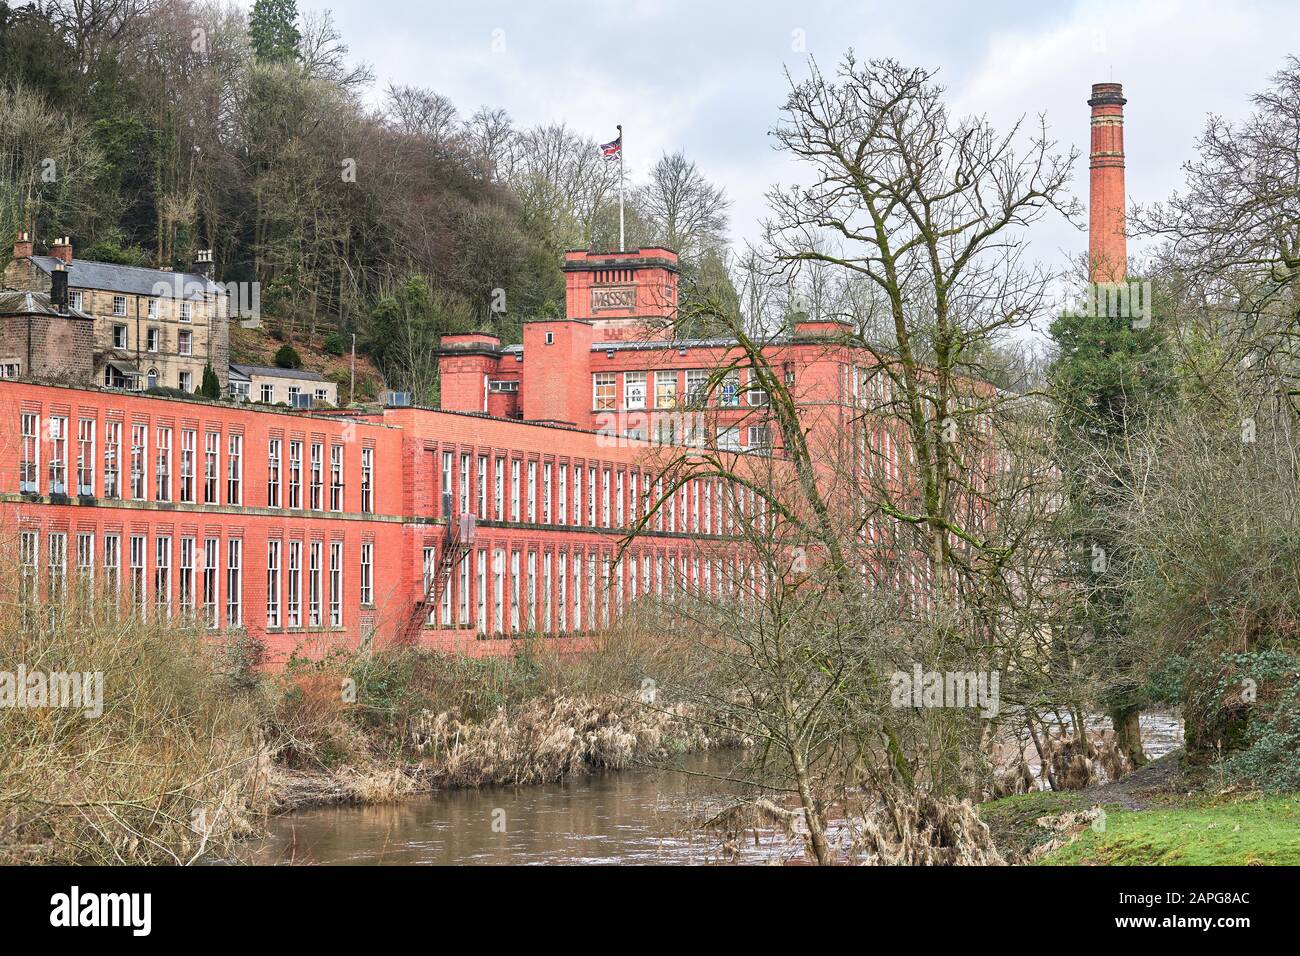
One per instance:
[(618, 499), (563, 496), (760, 439), (273, 473), (10, 369), (429, 565), (294, 602), (151, 336), (498, 590), (119, 305), (532, 492), (295, 474), (446, 489), (185, 579), (294, 392), (162, 584), (729, 396), (634, 389), (113, 569), (463, 590), (151, 309), (550, 338), (58, 426), (235, 470), (112, 459), (57, 582), (321, 395), (273, 583), (187, 312), (756, 395), (336, 477), (268, 394), (85, 570), (336, 584), (234, 582), (151, 378), (498, 491), (482, 485), (464, 484), (120, 340), (76, 299), (188, 439), (546, 492), (137, 574), (185, 381), (665, 389), (30, 468), (604, 498), (185, 342), (604, 391), (317, 475), (211, 451), (514, 489), (480, 592), (315, 610), (28, 548), (367, 582), (729, 439), (163, 466), (211, 556), (697, 386), (139, 462)]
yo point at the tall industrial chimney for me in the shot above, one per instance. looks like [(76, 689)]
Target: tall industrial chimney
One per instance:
[(1107, 244)]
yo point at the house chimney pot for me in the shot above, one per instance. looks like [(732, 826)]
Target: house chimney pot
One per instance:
[(203, 263), (23, 245), (62, 250)]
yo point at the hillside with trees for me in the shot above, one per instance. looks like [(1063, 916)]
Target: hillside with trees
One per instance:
[(149, 129)]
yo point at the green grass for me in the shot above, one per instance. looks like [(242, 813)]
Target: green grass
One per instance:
[(1235, 832), (1011, 819)]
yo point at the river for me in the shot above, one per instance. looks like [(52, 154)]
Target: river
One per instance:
[(629, 817)]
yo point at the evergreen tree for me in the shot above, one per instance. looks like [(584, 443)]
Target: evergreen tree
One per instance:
[(211, 386), (273, 29), (1108, 379)]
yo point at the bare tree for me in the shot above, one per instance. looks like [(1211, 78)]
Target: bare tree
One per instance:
[(681, 208)]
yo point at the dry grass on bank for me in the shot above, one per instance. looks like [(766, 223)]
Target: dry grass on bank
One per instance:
[(170, 769), (538, 716)]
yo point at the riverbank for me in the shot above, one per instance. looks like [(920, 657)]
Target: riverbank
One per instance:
[(372, 728), (1165, 814)]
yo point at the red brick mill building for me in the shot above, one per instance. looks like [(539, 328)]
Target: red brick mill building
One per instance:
[(315, 530), (463, 529)]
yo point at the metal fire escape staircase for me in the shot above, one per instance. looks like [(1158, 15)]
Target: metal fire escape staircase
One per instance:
[(456, 545)]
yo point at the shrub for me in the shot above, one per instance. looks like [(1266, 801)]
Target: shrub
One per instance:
[(336, 343), (287, 357)]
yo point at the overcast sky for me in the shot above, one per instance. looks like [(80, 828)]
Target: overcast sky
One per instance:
[(706, 76)]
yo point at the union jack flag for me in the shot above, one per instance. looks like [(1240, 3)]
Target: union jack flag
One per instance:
[(613, 150)]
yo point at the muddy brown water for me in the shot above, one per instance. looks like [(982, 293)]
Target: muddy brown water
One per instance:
[(628, 817)]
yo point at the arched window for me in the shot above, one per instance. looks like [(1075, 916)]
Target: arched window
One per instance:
[(153, 378)]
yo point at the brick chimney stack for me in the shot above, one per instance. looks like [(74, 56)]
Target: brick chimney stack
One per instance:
[(62, 249), (23, 245), (1107, 244)]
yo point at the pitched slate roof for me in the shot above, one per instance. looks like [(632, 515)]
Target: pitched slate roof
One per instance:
[(34, 303), (267, 371), (131, 280)]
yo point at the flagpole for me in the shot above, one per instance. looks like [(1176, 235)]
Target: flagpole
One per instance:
[(621, 244)]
